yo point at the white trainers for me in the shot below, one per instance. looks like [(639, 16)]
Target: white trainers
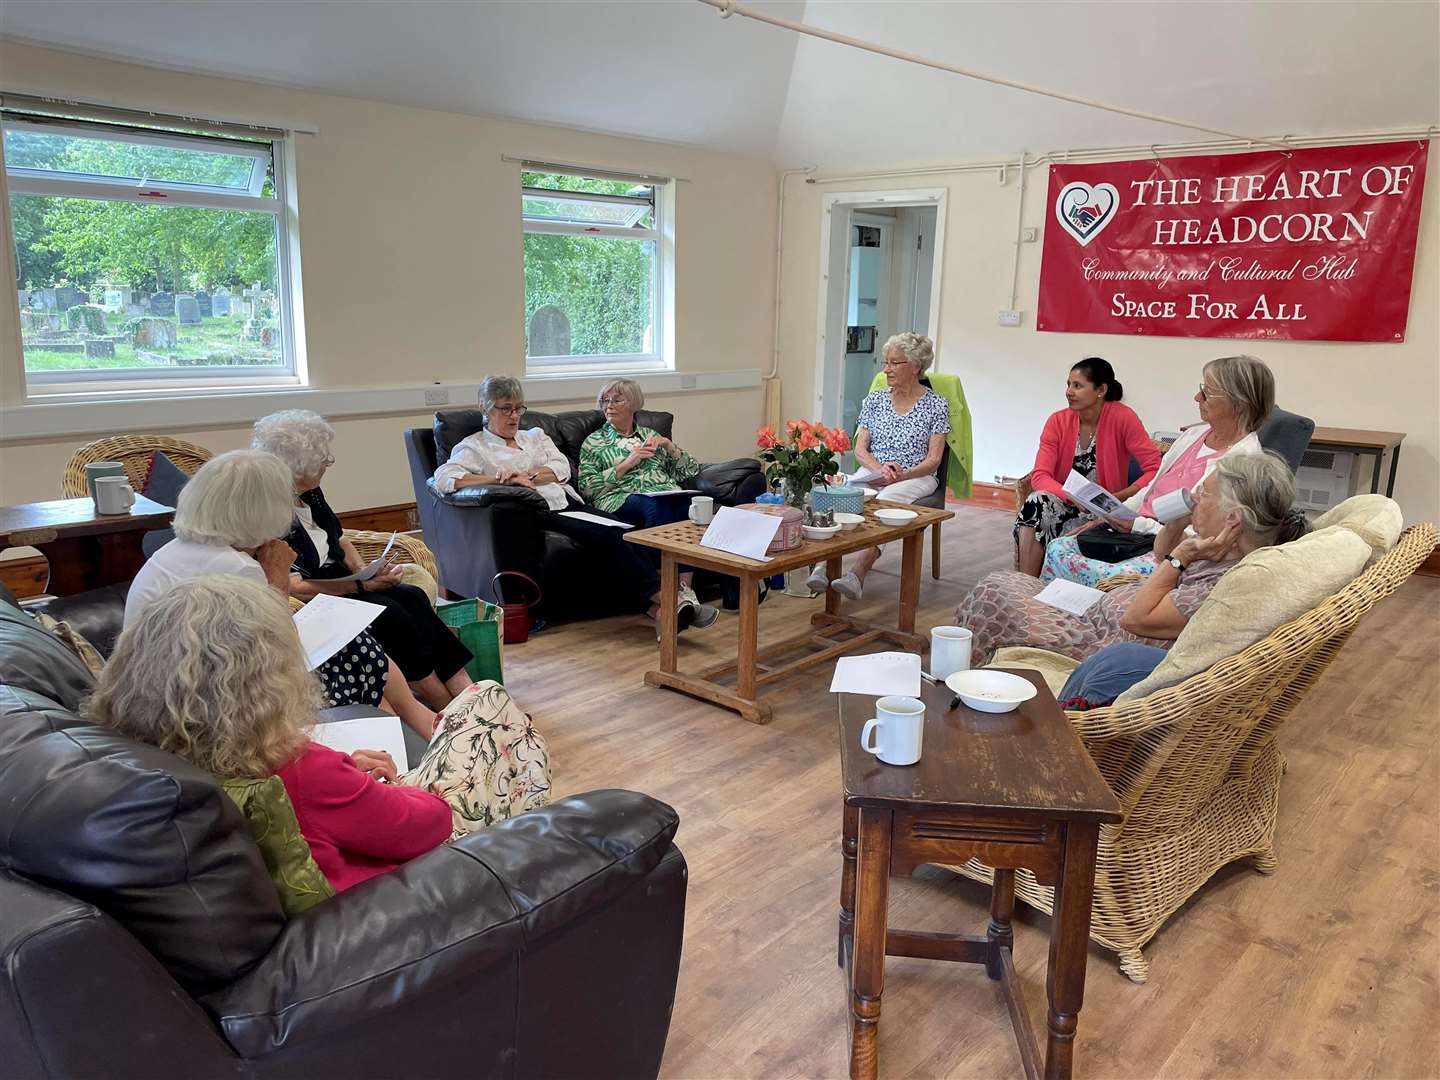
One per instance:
[(848, 586), (817, 581)]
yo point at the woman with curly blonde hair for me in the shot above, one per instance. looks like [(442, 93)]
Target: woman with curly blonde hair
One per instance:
[(213, 672)]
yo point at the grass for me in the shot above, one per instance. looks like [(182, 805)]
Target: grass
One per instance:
[(218, 337)]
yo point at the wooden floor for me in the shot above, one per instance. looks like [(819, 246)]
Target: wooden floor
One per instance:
[(1328, 968)]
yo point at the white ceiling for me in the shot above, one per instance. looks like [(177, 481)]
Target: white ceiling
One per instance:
[(674, 70)]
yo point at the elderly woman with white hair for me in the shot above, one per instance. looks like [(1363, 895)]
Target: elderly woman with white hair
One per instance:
[(636, 474), (900, 440), (230, 520), (429, 655)]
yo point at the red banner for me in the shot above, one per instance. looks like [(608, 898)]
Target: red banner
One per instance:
[(1317, 244)]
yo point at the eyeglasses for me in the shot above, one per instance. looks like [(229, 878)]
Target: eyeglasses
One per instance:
[(1207, 392), (509, 410), (613, 401)]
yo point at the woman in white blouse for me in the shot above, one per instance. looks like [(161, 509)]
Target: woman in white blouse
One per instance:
[(501, 453)]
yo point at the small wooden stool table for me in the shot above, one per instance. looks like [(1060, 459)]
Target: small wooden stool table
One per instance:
[(85, 550), (1010, 789)]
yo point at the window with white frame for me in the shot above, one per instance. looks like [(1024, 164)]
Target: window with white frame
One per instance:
[(594, 280), (146, 255)]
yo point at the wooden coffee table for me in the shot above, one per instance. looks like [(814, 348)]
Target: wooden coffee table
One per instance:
[(831, 634), (85, 550), (1012, 790)]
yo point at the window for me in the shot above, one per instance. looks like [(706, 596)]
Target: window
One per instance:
[(146, 255), (593, 276)]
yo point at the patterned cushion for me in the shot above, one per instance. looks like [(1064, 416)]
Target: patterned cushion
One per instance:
[(267, 811)]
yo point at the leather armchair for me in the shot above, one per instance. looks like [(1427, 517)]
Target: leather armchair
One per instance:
[(140, 928), (479, 532)]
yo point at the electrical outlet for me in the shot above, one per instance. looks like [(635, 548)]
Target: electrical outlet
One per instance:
[(1009, 318), (437, 397), (1030, 235), (688, 382)]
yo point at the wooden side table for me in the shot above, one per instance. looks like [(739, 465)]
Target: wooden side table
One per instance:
[(1357, 442), (85, 550), (1012, 790)]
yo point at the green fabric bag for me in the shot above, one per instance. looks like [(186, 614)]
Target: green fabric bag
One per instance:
[(267, 811), (480, 627)]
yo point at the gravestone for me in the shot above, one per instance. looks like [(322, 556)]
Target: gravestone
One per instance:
[(87, 317), (203, 302), (162, 304), (96, 348), (269, 337), (44, 299), (549, 332), (220, 303), (187, 311), (67, 297), (114, 299), (156, 334), (24, 296), (251, 330)]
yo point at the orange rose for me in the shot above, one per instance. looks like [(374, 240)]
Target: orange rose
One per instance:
[(765, 439)]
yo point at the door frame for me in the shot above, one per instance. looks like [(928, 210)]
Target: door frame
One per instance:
[(847, 202)]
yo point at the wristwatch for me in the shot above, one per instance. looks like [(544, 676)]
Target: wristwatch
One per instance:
[(1177, 564)]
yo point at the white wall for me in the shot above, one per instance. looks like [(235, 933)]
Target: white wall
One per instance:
[(411, 259), (1014, 377)]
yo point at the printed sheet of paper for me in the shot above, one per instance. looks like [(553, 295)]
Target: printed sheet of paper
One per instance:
[(865, 476), (1069, 596), (367, 572), (878, 674), (741, 532), (1096, 499), (662, 494), (365, 733), (329, 623), (596, 519)]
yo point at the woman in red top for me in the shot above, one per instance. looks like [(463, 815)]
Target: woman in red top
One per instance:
[(213, 671), (1096, 436)]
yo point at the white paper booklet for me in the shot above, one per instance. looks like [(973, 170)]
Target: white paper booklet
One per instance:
[(741, 532), (865, 476), (581, 515), (662, 494), (1069, 596), (878, 674), (329, 623), (365, 733), (367, 572), (1096, 499)]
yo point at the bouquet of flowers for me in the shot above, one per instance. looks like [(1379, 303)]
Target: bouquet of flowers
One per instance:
[(806, 455)]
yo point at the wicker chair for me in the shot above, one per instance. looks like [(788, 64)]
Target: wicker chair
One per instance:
[(1197, 769), (133, 451)]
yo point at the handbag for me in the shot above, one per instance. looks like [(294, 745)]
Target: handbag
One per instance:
[(1109, 544)]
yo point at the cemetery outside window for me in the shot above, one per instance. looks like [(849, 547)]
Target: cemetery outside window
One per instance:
[(145, 253)]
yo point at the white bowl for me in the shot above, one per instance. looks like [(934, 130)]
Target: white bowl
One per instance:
[(848, 521), (895, 516), (990, 691), (869, 493), (819, 532)]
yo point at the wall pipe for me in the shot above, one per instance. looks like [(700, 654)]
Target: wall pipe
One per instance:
[(779, 253)]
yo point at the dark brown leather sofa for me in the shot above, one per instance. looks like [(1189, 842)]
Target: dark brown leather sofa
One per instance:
[(140, 935)]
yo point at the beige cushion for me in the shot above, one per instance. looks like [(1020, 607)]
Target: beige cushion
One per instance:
[(1374, 518), (1053, 667), (1268, 589)]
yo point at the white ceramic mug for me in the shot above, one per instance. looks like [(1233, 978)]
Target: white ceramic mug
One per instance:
[(949, 650), (702, 509), (113, 495), (899, 727), (96, 469)]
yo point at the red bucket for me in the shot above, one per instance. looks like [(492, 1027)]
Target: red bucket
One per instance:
[(517, 613)]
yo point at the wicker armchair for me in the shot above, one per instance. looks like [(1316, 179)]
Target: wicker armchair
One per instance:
[(133, 451), (1197, 769)]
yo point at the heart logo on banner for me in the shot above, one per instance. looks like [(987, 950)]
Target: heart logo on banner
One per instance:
[(1084, 211)]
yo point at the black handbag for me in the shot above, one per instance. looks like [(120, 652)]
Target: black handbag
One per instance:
[(1108, 544)]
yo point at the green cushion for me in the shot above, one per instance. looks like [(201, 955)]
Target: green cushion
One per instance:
[(267, 810)]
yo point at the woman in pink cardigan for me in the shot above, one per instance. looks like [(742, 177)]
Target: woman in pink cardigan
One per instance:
[(1096, 436)]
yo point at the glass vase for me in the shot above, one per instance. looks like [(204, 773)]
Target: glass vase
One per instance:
[(796, 492)]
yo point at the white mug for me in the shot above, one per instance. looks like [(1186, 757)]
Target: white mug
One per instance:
[(949, 651), (899, 726), (113, 495), (702, 509)]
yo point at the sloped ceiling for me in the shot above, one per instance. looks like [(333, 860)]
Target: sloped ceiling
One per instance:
[(674, 70)]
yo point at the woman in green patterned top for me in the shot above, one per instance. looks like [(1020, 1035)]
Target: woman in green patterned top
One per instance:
[(622, 460)]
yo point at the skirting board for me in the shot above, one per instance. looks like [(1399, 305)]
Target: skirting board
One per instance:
[(157, 411), (995, 496)]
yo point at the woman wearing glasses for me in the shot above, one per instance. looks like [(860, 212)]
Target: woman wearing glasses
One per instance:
[(501, 453), (901, 436), (1236, 395)]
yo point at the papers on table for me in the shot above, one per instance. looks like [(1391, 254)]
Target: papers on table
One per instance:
[(878, 674), (1069, 596), (595, 519), (367, 572), (365, 733), (741, 532), (329, 623), (1096, 499)]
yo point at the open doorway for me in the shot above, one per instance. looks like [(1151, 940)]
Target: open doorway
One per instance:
[(879, 276)]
